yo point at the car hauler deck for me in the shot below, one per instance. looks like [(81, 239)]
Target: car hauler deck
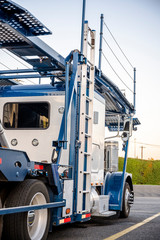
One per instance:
[(55, 166)]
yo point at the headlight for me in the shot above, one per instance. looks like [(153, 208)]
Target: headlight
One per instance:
[(35, 142), (14, 142)]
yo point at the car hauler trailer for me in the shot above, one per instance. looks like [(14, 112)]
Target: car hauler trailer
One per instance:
[(55, 166)]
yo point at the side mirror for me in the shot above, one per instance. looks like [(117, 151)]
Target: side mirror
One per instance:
[(125, 136), (127, 130), (54, 156), (127, 126)]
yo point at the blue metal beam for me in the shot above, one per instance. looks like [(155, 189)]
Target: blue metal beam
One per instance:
[(123, 175), (83, 21), (66, 104), (28, 76), (59, 143), (134, 92), (100, 43), (12, 210), (17, 71)]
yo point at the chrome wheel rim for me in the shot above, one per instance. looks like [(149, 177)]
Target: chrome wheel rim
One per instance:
[(37, 219), (127, 194)]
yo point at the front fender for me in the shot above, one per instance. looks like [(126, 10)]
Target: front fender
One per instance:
[(112, 187)]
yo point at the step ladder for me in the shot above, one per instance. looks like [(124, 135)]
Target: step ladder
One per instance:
[(86, 121)]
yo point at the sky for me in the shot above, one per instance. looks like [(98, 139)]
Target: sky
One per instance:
[(135, 26)]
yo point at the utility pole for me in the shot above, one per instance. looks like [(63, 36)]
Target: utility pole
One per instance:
[(135, 147), (142, 147)]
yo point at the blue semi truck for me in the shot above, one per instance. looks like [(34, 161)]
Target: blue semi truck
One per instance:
[(56, 165)]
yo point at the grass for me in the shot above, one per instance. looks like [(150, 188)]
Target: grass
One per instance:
[(143, 171)]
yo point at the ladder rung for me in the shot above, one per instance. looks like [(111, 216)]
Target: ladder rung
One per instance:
[(87, 135), (88, 99), (86, 172), (88, 154), (88, 117), (90, 81), (89, 29), (90, 63), (89, 44), (86, 211), (86, 191)]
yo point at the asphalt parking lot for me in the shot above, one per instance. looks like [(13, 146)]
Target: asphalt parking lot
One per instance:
[(146, 206)]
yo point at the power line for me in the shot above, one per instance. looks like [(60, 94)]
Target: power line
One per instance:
[(116, 73), (152, 145), (117, 59), (15, 58), (118, 45), (17, 61), (4, 66), (142, 147)]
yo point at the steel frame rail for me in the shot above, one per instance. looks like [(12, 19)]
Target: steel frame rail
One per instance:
[(12, 210)]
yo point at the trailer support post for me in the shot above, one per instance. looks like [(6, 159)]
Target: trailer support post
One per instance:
[(83, 22), (134, 94), (66, 104), (123, 174), (100, 43)]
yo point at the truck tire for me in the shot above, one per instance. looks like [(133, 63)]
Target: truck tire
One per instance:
[(125, 205), (32, 225)]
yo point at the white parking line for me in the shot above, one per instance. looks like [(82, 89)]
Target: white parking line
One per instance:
[(120, 234)]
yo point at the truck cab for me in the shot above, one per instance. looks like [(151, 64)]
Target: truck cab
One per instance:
[(31, 117)]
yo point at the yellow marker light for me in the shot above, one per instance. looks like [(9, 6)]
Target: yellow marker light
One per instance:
[(68, 210)]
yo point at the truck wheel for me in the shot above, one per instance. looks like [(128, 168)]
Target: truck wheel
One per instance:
[(32, 225), (126, 207)]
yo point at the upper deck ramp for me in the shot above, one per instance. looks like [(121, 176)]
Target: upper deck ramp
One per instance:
[(18, 34)]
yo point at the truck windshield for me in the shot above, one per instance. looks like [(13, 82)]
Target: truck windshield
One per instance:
[(26, 115)]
